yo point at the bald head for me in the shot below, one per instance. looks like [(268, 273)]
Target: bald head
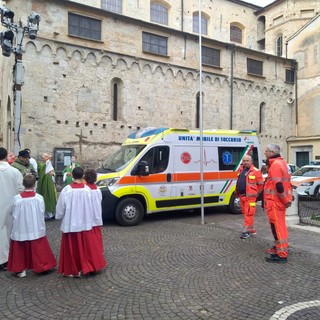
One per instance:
[(247, 161), (46, 156)]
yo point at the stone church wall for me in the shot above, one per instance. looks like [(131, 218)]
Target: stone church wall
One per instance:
[(68, 92)]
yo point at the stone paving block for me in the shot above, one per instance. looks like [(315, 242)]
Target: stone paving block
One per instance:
[(173, 268)]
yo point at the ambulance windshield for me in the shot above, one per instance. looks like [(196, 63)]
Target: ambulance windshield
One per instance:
[(121, 158)]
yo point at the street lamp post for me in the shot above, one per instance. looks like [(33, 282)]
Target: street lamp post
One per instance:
[(17, 31), (201, 114)]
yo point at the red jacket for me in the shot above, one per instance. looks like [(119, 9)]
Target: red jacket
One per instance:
[(278, 172), (254, 182)]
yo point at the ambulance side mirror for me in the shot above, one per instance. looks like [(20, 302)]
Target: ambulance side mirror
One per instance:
[(143, 168)]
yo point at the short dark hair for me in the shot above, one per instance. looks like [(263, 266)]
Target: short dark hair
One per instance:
[(29, 180), (77, 173), (90, 176), (3, 153), (24, 154)]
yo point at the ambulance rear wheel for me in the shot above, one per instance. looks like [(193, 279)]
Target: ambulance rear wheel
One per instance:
[(234, 205), (129, 212)]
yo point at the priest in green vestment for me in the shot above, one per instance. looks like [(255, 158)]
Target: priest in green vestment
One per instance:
[(46, 185), (67, 172)]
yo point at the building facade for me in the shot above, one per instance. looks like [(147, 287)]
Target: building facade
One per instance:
[(292, 30), (304, 46), (100, 69)]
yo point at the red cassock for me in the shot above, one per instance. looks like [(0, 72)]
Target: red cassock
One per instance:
[(33, 255), (81, 251), (29, 246)]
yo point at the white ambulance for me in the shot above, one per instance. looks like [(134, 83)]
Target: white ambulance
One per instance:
[(158, 169)]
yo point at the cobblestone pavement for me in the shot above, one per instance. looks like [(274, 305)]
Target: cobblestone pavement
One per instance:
[(173, 267)]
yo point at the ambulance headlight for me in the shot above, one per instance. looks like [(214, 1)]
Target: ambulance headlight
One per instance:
[(109, 182)]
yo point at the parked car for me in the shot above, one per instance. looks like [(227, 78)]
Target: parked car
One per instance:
[(306, 180), (292, 168)]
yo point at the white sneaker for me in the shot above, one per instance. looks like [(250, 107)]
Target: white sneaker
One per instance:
[(21, 274), (73, 276)]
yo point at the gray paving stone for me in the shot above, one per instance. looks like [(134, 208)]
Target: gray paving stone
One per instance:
[(173, 267)]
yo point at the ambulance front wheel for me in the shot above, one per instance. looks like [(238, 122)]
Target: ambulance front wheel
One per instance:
[(129, 212), (234, 205)]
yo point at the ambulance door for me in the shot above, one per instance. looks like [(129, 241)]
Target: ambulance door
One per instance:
[(186, 165), (158, 182)]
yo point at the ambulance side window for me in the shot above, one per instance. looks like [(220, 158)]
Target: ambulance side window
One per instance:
[(147, 159), (161, 159), (229, 157), (255, 157), (157, 159)]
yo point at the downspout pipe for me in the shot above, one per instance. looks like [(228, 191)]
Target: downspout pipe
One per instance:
[(296, 95), (231, 85), (182, 14), (185, 36)]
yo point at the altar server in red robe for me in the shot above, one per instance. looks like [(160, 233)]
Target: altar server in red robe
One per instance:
[(29, 246), (90, 177), (80, 250)]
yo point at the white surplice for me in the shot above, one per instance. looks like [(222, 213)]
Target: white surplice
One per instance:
[(75, 209), (96, 196), (11, 184), (34, 164), (50, 168), (28, 218)]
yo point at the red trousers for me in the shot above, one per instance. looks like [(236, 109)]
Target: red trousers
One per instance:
[(276, 212), (248, 206)]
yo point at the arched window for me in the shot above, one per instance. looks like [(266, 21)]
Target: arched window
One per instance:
[(115, 102), (235, 34), (204, 24), (198, 111), (159, 13), (262, 118), (279, 46), (197, 115), (116, 85)]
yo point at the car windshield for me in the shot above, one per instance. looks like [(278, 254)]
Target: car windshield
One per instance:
[(308, 172), (121, 158)]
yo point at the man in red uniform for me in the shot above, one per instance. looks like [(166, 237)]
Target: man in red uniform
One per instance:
[(277, 197), (249, 185)]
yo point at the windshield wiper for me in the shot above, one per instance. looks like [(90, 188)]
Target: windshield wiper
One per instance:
[(103, 169)]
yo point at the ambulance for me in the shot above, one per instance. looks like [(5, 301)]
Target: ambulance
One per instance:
[(159, 169)]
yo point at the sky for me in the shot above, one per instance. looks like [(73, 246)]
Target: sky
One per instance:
[(261, 3)]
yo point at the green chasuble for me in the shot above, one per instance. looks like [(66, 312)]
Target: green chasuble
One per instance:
[(46, 188), (69, 168)]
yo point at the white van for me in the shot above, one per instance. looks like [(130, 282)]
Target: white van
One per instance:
[(158, 169)]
